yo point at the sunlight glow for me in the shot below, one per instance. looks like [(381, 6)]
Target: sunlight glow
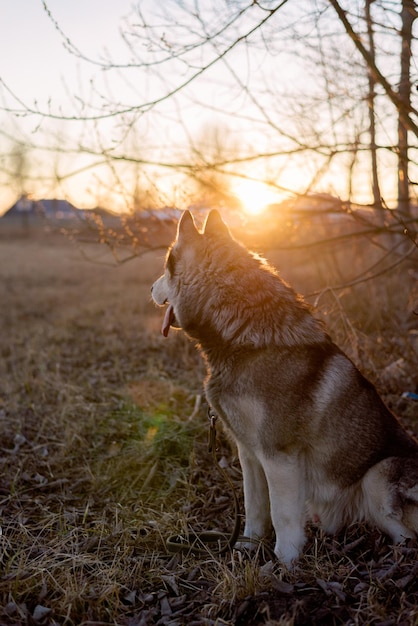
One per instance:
[(254, 196)]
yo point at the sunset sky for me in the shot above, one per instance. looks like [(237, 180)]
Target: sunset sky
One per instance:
[(33, 60), (38, 71), (34, 63)]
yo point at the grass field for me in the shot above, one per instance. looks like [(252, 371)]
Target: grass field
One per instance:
[(104, 455)]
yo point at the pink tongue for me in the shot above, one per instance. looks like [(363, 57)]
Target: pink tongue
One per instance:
[(168, 319)]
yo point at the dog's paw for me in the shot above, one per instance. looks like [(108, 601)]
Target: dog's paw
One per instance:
[(247, 544), (254, 548), (288, 555)]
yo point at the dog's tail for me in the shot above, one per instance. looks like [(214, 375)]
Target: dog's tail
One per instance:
[(390, 490), (407, 486)]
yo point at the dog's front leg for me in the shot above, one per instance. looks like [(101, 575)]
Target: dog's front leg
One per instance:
[(286, 483), (256, 498)]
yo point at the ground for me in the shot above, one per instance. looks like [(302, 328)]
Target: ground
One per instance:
[(104, 456)]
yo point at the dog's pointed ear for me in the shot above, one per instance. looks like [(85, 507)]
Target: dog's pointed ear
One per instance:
[(186, 227), (215, 226)]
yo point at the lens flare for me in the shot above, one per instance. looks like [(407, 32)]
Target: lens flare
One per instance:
[(254, 196)]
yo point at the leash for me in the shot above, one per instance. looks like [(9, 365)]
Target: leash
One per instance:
[(210, 541)]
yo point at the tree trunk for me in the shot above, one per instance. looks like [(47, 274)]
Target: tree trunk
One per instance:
[(377, 197), (408, 14)]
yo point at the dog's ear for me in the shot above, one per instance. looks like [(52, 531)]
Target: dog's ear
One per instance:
[(215, 226), (186, 227)]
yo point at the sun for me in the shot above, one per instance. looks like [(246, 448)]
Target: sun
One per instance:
[(254, 196)]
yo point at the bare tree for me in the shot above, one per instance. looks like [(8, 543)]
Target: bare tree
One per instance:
[(228, 61), (399, 96), (408, 16), (377, 197)]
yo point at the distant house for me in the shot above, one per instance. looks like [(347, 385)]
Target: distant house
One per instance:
[(53, 214), (26, 208)]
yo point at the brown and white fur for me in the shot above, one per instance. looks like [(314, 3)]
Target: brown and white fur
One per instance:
[(314, 438)]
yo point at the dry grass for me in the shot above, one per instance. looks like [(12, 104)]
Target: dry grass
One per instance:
[(101, 463)]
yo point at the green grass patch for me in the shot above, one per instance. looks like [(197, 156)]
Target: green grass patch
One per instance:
[(141, 454)]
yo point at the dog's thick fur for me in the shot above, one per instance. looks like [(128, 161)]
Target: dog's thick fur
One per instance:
[(314, 438)]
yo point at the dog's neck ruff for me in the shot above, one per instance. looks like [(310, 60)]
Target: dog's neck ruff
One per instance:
[(271, 328)]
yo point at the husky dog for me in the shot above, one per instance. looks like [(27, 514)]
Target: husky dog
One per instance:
[(314, 439)]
